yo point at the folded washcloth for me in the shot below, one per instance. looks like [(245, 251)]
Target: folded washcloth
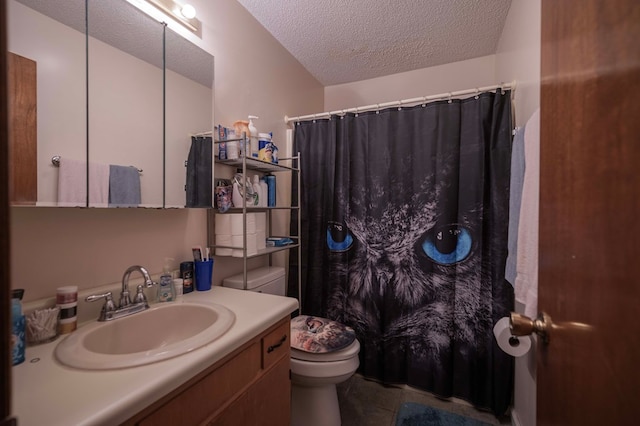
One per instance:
[(124, 186)]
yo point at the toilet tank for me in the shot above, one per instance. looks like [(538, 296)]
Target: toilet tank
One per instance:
[(267, 279)]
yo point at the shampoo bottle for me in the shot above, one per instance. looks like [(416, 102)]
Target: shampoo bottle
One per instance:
[(253, 134), (271, 186), (166, 289)]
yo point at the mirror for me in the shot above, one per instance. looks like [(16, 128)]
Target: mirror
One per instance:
[(142, 92)]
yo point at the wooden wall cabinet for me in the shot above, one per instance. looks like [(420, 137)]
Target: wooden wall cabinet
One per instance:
[(251, 386), (23, 133)]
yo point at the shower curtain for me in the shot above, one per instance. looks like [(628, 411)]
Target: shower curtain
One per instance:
[(404, 234)]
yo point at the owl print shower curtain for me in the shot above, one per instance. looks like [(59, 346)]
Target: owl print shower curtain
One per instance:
[(404, 234)]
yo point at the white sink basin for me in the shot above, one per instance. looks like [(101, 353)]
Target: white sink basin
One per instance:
[(164, 331)]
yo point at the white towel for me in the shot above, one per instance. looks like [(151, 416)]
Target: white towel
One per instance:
[(526, 285), (98, 185), (515, 201), (72, 183)]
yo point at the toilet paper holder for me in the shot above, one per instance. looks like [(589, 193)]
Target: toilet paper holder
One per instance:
[(521, 325)]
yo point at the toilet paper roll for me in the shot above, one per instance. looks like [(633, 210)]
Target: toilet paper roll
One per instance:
[(261, 240), (223, 224), (261, 222), (223, 240), (510, 344), (237, 224), (251, 223)]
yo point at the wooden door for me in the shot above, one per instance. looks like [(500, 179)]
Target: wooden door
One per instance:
[(23, 160), (589, 276)]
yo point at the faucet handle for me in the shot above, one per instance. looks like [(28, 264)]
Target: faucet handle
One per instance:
[(108, 306), (140, 297)]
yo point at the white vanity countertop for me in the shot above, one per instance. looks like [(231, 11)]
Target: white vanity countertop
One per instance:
[(48, 393)]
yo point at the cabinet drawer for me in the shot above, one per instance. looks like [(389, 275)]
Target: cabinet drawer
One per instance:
[(276, 344), (206, 396)]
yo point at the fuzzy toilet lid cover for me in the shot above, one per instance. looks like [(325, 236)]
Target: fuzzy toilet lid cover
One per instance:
[(319, 335)]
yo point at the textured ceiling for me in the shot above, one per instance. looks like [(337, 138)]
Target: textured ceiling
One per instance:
[(340, 41)]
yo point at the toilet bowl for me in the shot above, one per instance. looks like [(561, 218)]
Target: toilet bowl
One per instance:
[(314, 376)]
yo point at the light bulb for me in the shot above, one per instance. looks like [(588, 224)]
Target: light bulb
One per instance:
[(188, 11)]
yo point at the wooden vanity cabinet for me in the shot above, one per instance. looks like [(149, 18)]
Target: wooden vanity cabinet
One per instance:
[(251, 386)]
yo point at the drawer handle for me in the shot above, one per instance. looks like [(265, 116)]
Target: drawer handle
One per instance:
[(277, 345)]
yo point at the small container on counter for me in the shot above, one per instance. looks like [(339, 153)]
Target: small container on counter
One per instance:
[(186, 273), (67, 301)]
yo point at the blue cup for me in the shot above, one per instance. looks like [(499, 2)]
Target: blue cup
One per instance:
[(203, 274)]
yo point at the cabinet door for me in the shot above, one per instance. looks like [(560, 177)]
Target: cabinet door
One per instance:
[(23, 163), (266, 403)]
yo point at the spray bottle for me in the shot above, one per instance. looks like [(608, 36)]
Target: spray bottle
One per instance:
[(253, 137)]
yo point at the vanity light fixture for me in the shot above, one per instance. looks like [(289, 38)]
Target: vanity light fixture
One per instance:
[(177, 16)]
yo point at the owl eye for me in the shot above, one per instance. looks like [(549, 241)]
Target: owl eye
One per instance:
[(338, 237), (447, 244)]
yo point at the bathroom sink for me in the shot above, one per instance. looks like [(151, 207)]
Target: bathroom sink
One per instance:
[(163, 331)]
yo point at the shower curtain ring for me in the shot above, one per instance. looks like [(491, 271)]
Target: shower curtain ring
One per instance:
[(424, 101), (477, 93), (377, 108), (449, 98), (399, 105), (356, 111)]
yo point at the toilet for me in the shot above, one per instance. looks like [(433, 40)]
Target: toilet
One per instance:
[(323, 354)]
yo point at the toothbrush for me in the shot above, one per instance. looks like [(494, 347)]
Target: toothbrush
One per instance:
[(207, 253)]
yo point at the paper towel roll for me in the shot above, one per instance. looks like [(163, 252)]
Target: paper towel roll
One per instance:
[(510, 344)]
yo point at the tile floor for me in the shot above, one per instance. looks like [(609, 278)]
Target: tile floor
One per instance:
[(368, 403)]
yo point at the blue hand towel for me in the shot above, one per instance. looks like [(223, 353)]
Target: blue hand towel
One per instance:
[(124, 186)]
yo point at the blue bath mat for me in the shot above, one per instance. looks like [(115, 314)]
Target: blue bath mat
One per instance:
[(412, 414)]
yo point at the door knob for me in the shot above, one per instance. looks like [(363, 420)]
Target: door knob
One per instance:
[(521, 325)]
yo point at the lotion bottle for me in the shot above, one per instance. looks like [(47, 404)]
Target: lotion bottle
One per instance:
[(264, 190), (253, 137)]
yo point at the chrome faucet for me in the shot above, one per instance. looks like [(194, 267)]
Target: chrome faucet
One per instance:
[(139, 304)]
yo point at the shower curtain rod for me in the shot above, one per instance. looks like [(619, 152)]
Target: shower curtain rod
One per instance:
[(423, 99)]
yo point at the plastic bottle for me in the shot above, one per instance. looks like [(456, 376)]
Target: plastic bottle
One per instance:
[(264, 144), (253, 134), (17, 328), (236, 194), (271, 185), (166, 289), (264, 190), (258, 191)]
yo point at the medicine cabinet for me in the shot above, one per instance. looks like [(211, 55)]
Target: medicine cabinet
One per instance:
[(113, 86)]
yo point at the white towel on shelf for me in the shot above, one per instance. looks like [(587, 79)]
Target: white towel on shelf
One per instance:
[(72, 183), (526, 285)]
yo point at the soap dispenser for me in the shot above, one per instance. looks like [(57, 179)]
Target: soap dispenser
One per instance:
[(166, 289), (253, 133)]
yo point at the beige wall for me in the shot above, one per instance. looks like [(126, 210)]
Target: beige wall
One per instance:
[(461, 75), (518, 58), (91, 247)]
